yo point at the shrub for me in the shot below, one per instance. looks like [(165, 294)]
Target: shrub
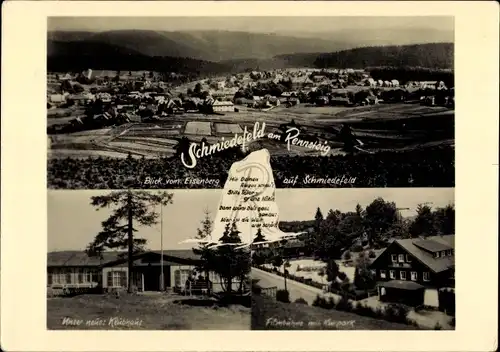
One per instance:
[(301, 301), (452, 322), (344, 305), (329, 303), (347, 255), (342, 276), (298, 268), (396, 313), (318, 301), (372, 254), (283, 296), (438, 326), (357, 248)]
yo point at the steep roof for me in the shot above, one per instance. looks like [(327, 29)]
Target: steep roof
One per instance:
[(432, 246), (435, 264)]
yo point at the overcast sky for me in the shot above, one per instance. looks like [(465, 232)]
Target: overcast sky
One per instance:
[(251, 24), (73, 222)]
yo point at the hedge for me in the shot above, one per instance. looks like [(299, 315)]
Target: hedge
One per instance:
[(395, 313)]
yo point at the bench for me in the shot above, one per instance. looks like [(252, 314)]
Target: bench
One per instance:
[(197, 287)]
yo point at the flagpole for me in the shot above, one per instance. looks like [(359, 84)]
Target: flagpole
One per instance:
[(162, 282)]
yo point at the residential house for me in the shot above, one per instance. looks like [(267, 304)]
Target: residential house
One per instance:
[(371, 82), (57, 98), (104, 97), (318, 78), (192, 104), (222, 106), (87, 73), (395, 83), (428, 85), (428, 262), (83, 98), (322, 101), (66, 77), (372, 100), (292, 101)]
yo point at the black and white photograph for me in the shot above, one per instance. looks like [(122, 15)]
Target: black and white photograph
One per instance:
[(206, 175), (352, 259), (140, 263), (352, 101), (369, 259)]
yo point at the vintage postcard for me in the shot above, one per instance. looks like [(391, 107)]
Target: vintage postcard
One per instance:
[(219, 176)]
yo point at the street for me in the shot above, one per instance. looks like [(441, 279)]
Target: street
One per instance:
[(296, 289)]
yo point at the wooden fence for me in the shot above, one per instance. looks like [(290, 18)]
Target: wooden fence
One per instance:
[(269, 291)]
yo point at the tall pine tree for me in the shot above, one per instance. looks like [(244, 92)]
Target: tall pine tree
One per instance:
[(117, 232)]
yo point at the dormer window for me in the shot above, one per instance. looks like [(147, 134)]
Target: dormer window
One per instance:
[(437, 255)]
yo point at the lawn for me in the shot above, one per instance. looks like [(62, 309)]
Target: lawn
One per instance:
[(268, 314), (143, 312)]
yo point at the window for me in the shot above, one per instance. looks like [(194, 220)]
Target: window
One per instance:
[(68, 278), (413, 276), (83, 276), (382, 274), (402, 275), (437, 254), (443, 254), (117, 279), (408, 259), (213, 277), (401, 258), (58, 277), (54, 277), (427, 276), (181, 277), (394, 258), (392, 274)]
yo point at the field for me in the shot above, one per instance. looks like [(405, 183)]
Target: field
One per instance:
[(265, 311), (154, 312), (200, 128), (228, 128), (381, 127)]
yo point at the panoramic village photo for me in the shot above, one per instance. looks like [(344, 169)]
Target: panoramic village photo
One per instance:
[(135, 97)]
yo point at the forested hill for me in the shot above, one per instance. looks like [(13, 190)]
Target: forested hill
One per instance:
[(431, 56), (434, 55), (80, 55)]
